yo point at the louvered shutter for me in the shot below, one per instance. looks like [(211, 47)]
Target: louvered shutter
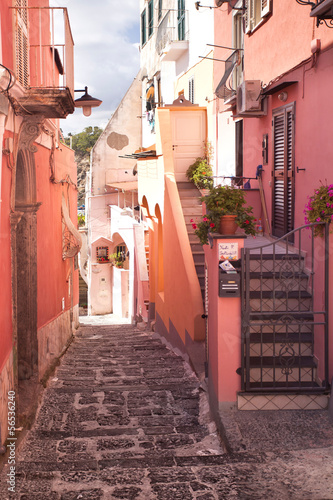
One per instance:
[(265, 7), (247, 15), (283, 171), (21, 44)]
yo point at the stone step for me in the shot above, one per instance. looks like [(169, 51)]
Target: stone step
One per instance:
[(287, 401), (281, 263), (198, 257), (193, 212), (273, 349), (190, 201), (281, 305), (279, 284)]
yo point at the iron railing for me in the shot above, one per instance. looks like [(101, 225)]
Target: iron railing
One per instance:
[(172, 28), (285, 313), (44, 48)]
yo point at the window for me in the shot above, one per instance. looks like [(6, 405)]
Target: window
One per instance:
[(143, 28), (159, 9), (102, 254), (256, 10), (238, 38), (150, 18), (181, 19), (191, 90)]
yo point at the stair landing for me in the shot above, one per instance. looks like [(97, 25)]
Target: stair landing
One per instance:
[(248, 401)]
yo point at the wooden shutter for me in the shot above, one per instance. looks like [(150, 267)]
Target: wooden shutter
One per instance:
[(265, 7), (283, 170), (247, 15), (21, 43)]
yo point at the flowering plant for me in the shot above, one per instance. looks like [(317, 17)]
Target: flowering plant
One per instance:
[(209, 224), (320, 208), (224, 200)]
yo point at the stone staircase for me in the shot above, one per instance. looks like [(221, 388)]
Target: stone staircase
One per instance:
[(191, 204), (279, 355)]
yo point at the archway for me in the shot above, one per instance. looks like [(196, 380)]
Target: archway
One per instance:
[(24, 268)]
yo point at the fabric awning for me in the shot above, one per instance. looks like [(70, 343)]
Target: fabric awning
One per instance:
[(124, 186)]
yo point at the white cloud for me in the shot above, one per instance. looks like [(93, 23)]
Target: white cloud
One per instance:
[(106, 54)]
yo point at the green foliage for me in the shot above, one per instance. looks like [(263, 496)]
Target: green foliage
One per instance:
[(320, 208), (83, 142), (81, 220), (201, 174), (224, 200), (117, 260)]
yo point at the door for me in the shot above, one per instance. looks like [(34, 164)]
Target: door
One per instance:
[(283, 170), (188, 139)]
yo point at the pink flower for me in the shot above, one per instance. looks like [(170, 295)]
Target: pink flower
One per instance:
[(191, 220), (205, 219), (212, 224), (194, 226), (318, 219)]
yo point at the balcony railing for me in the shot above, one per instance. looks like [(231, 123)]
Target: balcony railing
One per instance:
[(172, 28), (44, 63)]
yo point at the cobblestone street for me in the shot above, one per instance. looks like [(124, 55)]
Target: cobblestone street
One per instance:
[(125, 418)]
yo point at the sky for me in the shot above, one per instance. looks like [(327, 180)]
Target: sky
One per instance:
[(106, 55)]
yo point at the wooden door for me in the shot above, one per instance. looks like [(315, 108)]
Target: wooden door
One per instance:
[(283, 170), (188, 139)]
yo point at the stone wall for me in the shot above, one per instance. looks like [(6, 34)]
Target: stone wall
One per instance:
[(52, 338)]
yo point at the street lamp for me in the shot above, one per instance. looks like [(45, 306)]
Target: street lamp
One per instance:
[(86, 102)]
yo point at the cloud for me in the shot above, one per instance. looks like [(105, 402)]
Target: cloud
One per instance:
[(106, 54)]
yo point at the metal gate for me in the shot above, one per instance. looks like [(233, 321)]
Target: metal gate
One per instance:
[(285, 314)]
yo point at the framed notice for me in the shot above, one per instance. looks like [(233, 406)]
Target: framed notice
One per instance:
[(228, 251)]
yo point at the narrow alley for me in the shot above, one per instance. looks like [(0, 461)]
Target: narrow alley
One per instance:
[(125, 418)]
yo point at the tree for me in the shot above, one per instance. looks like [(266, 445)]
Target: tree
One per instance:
[(83, 142)]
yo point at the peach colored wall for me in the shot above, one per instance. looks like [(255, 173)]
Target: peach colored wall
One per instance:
[(5, 265), (224, 330), (53, 285)]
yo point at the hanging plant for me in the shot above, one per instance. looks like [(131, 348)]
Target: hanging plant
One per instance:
[(319, 208)]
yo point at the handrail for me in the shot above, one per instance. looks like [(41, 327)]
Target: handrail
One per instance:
[(289, 234)]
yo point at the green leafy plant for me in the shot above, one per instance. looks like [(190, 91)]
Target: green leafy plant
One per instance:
[(224, 200), (201, 174), (81, 220), (319, 208), (117, 260)]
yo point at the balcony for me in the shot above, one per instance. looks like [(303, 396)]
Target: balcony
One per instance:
[(323, 11), (44, 61), (172, 35)]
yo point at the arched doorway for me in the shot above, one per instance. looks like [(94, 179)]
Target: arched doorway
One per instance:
[(24, 266)]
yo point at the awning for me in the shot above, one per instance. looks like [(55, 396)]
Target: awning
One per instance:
[(124, 186), (221, 91), (277, 87), (71, 238)]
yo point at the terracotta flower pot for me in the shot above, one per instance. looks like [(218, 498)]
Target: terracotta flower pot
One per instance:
[(228, 225)]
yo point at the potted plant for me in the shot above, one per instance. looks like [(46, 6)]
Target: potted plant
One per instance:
[(320, 208), (225, 204), (201, 174), (117, 260)]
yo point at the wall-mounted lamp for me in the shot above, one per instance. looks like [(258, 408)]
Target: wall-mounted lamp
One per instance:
[(86, 102), (283, 96)]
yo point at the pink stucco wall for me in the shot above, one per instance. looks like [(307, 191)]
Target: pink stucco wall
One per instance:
[(224, 330)]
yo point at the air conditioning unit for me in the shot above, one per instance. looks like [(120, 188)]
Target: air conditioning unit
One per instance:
[(249, 96)]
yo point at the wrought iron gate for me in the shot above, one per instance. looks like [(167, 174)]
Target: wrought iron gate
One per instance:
[(285, 314)]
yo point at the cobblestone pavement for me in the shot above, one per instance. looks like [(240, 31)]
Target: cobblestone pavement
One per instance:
[(125, 418)]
